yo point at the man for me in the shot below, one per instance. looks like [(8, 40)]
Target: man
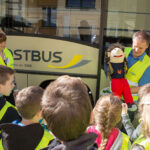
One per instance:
[(138, 62)]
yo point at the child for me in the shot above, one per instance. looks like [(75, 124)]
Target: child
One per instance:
[(107, 113), (66, 108), (8, 112), (6, 59), (144, 109), (131, 131), (29, 134)]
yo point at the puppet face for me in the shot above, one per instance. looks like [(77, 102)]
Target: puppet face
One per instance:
[(116, 55)]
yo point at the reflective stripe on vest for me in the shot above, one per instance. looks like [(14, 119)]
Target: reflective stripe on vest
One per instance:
[(142, 141), (121, 142), (4, 109), (1, 145), (125, 142), (136, 71), (47, 137), (9, 59)]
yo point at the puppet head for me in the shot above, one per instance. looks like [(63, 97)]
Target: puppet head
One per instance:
[(115, 54)]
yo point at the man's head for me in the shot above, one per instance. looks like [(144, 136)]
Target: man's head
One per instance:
[(28, 101), (3, 39), (6, 80), (141, 40), (66, 107)]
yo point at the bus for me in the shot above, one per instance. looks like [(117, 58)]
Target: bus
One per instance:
[(49, 38)]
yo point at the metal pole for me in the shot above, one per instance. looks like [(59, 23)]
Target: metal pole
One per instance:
[(103, 23)]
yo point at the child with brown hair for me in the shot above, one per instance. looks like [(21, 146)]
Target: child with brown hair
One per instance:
[(27, 134), (107, 113), (66, 108), (8, 112), (6, 59)]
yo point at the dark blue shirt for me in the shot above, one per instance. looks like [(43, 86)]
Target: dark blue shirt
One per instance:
[(118, 70)]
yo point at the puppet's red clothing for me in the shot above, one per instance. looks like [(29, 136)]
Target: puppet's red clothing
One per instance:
[(120, 87)]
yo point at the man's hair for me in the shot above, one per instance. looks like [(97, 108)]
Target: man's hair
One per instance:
[(107, 113), (4, 72), (145, 89), (142, 35), (28, 101), (66, 107), (3, 37)]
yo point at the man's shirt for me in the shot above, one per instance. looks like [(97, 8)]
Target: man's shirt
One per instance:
[(145, 77)]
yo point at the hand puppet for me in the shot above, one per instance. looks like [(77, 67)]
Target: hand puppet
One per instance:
[(115, 67)]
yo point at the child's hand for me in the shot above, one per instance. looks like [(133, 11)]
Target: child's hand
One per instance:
[(124, 109)]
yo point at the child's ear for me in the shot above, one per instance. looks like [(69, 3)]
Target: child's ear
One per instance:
[(39, 114)]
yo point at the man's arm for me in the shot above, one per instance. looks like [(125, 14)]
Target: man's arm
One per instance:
[(145, 77), (135, 90)]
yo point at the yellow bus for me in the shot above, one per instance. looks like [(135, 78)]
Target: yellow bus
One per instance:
[(49, 38)]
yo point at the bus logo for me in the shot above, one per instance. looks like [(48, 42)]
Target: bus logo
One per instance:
[(75, 62)]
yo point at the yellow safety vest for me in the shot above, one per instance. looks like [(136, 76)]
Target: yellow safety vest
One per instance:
[(2, 113), (9, 59), (136, 71), (143, 142), (1, 145), (47, 137), (125, 142), (4, 109)]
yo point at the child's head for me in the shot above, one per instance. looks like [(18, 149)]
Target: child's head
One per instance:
[(107, 113), (28, 101), (66, 107), (6, 80), (137, 147), (144, 90), (144, 109)]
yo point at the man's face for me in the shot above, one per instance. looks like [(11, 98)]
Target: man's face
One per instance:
[(8, 86), (139, 46), (2, 45)]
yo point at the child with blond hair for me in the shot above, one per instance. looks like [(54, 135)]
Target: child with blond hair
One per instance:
[(144, 111), (107, 113), (133, 132)]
